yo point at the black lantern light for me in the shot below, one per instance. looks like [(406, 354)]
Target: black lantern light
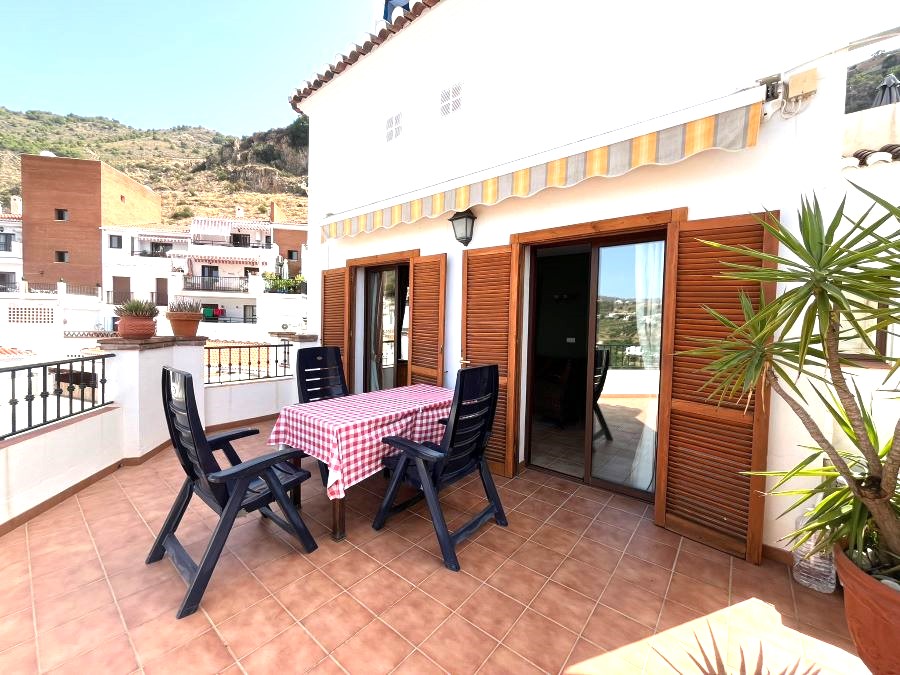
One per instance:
[(463, 226)]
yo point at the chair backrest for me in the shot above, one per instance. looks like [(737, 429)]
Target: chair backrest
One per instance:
[(320, 374), (470, 421), (601, 367), (186, 432)]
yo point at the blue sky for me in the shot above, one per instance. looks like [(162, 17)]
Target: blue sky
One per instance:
[(227, 65)]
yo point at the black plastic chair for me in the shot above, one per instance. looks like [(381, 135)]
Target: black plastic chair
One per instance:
[(320, 376), (430, 467), (601, 368), (245, 486)]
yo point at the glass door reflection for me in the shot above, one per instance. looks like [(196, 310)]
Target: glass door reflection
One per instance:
[(626, 361)]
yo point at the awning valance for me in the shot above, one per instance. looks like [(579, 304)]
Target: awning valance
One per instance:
[(168, 238), (734, 129)]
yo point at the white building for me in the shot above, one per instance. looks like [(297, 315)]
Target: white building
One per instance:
[(593, 147), (10, 251)]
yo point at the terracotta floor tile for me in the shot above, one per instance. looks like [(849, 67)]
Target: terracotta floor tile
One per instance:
[(555, 538), (611, 629), (551, 495), (260, 552), (586, 507), (64, 642), (415, 616), (67, 579), (304, 596), (444, 646), (15, 598), (350, 567), (500, 540), (541, 641), (164, 598), (519, 523), (16, 628), (652, 551), (821, 610), (380, 590), (375, 649), (674, 614), (112, 656), (16, 572), (19, 659), (415, 565), (596, 555), (52, 562), (225, 597), (55, 611), (294, 646), (492, 611), (569, 520), (696, 594), (535, 508), (204, 654), (609, 535), (510, 499), (587, 580), (632, 601), (130, 581), (538, 558), (253, 627), (418, 664), (715, 572), (619, 518), (386, 546), (647, 528), (630, 504), (450, 588), (337, 620), (359, 530), (131, 556), (562, 484), (479, 561), (413, 528), (517, 581), (164, 633), (648, 576), (328, 550), (563, 605), (280, 572), (690, 546), (504, 662)]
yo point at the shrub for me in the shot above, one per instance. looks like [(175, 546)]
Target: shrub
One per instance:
[(184, 212)]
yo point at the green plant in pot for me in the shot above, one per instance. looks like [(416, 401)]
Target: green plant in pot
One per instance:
[(137, 319), (184, 316), (840, 281)]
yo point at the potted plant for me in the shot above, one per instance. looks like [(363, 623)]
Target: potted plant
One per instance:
[(841, 283), (184, 316), (136, 319)]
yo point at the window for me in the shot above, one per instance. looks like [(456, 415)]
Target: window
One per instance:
[(293, 255), (451, 99), (115, 241), (393, 127), (268, 241), (240, 240), (6, 240), (855, 346), (62, 256), (62, 214), (210, 271), (7, 282), (159, 250)]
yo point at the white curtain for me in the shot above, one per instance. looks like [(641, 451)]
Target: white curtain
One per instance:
[(649, 266)]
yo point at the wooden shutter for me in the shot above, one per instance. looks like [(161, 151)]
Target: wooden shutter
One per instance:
[(336, 297), (427, 277), (486, 338), (704, 447)]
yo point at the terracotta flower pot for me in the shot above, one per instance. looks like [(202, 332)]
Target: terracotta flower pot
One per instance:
[(872, 610), (136, 327), (184, 324)]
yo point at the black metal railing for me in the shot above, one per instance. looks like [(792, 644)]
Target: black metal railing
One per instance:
[(42, 287), (118, 297), (231, 243), (159, 299), (232, 319), (9, 288), (237, 363), (42, 393), (148, 254), (624, 355), (221, 284), (285, 286), (82, 289)]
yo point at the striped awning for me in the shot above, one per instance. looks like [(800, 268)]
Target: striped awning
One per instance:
[(226, 260), (173, 238), (733, 130)]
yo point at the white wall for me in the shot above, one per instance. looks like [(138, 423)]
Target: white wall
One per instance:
[(246, 400)]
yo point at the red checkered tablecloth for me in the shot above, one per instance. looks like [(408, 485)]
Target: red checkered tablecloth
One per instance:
[(346, 432)]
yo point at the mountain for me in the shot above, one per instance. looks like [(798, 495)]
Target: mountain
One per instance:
[(196, 171), (864, 77)]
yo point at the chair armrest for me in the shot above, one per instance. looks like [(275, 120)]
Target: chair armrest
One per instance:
[(413, 449), (253, 467), (216, 441)]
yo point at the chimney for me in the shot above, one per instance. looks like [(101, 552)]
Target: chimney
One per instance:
[(15, 205), (238, 211), (275, 213)]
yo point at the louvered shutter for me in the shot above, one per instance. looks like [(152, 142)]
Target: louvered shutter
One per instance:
[(427, 276), (336, 313), (485, 337), (704, 447)]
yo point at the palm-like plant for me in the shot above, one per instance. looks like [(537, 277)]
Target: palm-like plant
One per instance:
[(840, 281)]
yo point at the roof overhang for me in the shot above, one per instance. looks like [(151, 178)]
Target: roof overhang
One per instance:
[(731, 123)]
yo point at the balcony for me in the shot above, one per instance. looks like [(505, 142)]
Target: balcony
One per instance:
[(216, 284), (118, 297)]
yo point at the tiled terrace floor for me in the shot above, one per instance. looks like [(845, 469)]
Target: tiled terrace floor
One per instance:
[(581, 581)]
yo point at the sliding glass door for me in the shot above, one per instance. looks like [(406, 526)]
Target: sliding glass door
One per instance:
[(387, 325)]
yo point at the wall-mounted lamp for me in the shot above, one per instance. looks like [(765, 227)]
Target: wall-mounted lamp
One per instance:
[(463, 226)]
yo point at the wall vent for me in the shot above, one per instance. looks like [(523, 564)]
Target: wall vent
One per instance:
[(393, 127), (451, 99), (30, 314)]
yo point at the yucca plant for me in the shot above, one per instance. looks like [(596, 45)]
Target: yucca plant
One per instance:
[(182, 305), (141, 308), (840, 281)]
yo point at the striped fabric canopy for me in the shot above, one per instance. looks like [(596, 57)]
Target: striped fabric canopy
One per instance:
[(730, 130)]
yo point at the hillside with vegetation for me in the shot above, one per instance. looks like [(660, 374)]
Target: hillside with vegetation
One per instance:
[(864, 77), (196, 171)]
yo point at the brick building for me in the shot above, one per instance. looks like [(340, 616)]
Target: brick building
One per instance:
[(290, 239), (66, 201)]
